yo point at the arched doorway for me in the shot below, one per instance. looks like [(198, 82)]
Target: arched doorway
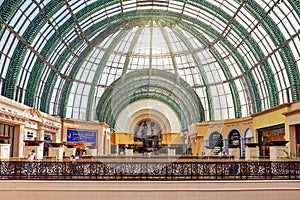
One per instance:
[(234, 139), (215, 142), (148, 131), (248, 139)]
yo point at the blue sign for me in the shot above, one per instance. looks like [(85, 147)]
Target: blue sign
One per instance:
[(81, 136)]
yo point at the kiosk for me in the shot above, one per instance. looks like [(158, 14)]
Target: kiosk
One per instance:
[(56, 150), (33, 145), (251, 151), (278, 149)]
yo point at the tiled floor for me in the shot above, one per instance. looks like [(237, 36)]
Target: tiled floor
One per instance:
[(210, 190)]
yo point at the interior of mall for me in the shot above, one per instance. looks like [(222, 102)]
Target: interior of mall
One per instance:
[(197, 79)]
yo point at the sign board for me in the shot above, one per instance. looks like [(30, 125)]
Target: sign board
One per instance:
[(81, 136)]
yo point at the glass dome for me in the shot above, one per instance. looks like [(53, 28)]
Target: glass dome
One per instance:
[(232, 58)]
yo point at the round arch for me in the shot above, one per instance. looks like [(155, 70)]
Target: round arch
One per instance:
[(214, 142), (234, 138), (147, 108), (161, 85)]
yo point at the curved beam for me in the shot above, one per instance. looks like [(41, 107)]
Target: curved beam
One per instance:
[(111, 115), (19, 54), (7, 9), (221, 62), (269, 95), (169, 86), (258, 107), (278, 39), (160, 81), (202, 72), (100, 69), (170, 48), (146, 95)]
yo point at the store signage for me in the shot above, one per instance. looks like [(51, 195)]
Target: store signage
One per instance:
[(81, 136)]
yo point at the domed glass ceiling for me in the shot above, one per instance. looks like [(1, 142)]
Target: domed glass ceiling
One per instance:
[(239, 57)]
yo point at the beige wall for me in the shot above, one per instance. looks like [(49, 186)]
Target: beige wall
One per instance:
[(27, 119), (205, 128), (110, 190), (202, 130), (292, 119)]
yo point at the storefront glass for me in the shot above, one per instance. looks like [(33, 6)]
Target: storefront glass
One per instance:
[(268, 135), (7, 132)]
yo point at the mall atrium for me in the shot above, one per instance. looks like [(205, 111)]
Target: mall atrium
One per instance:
[(149, 78), (198, 73)]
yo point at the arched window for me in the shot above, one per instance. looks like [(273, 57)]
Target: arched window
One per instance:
[(234, 138), (249, 138), (216, 139)]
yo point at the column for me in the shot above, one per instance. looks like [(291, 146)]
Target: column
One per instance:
[(19, 141), (40, 136)]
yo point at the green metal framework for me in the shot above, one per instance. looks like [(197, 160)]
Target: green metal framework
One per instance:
[(160, 85), (215, 34), (243, 50)]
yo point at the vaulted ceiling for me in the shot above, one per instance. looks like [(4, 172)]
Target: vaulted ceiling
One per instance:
[(207, 60)]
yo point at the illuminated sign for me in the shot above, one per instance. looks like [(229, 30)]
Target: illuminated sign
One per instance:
[(81, 136)]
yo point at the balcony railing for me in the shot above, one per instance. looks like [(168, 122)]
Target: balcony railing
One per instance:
[(150, 170)]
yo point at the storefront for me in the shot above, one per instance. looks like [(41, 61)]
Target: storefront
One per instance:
[(212, 137), (86, 138), (267, 136), (23, 128), (270, 129), (293, 128), (7, 137)]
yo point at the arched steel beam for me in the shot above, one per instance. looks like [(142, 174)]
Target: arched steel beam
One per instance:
[(160, 85), (258, 107), (99, 71), (19, 54), (65, 93), (278, 39), (220, 61)]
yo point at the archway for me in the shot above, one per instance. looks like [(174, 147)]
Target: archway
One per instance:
[(215, 142), (234, 139)]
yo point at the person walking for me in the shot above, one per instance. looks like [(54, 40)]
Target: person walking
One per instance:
[(31, 157)]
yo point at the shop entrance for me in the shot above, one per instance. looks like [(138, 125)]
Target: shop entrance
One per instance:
[(216, 142), (298, 139), (148, 132), (268, 135), (7, 136)]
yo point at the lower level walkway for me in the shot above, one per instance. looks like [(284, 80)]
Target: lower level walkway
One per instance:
[(140, 190)]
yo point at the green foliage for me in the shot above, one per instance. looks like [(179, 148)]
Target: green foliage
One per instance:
[(289, 154)]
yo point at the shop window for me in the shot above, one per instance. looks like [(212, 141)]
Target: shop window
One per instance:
[(268, 135), (7, 132)]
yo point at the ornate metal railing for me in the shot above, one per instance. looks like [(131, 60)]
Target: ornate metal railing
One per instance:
[(151, 170)]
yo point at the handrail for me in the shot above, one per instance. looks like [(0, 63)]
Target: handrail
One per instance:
[(150, 169)]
